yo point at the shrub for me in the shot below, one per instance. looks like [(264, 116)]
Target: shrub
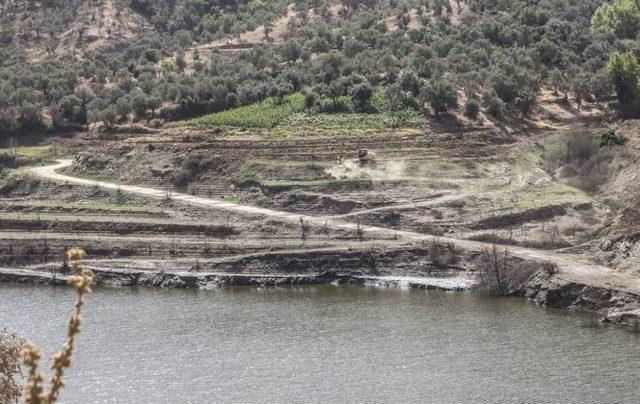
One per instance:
[(22, 184), (498, 274), (231, 100), (7, 160), (525, 102), (621, 17), (361, 95), (441, 95), (309, 101), (442, 255), (495, 107), (180, 177), (292, 51), (549, 268), (580, 148), (610, 138), (624, 73), (336, 106), (471, 109), (193, 163), (109, 117)]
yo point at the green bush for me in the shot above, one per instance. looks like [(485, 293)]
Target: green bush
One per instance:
[(180, 177), (337, 106), (471, 109), (495, 107), (7, 160), (610, 138)]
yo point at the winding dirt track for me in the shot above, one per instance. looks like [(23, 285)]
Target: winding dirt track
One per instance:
[(572, 268)]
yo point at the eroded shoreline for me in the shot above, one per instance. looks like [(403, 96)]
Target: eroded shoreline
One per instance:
[(613, 307), (162, 279)]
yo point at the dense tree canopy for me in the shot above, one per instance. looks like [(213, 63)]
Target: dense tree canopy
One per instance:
[(622, 17), (69, 63)]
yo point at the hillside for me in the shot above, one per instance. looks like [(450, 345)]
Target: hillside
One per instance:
[(265, 142), (115, 62)]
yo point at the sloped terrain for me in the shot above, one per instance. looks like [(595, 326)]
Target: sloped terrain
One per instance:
[(322, 143)]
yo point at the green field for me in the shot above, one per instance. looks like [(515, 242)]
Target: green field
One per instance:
[(14, 157), (288, 119), (265, 114)]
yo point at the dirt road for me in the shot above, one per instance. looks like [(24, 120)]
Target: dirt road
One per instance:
[(572, 268)]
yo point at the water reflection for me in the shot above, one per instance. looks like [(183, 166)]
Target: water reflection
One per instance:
[(326, 344)]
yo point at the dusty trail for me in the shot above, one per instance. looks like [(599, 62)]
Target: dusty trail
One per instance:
[(571, 267)]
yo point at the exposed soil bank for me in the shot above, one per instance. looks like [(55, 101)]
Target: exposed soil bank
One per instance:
[(215, 280)]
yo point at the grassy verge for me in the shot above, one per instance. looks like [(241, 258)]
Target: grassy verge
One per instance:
[(15, 157), (443, 169), (555, 194), (316, 185), (89, 206), (28, 151), (259, 171)]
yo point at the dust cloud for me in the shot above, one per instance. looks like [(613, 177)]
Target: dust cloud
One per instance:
[(373, 170)]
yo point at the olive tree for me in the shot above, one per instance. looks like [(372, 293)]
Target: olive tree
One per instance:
[(441, 95)]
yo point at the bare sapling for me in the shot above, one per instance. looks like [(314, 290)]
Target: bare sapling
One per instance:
[(359, 231), (36, 391), (498, 273), (494, 270)]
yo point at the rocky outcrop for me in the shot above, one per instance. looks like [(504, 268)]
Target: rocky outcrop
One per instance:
[(614, 306)]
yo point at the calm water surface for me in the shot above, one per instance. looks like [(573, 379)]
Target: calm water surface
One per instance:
[(325, 344)]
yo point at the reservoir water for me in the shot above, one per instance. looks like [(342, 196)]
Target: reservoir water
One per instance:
[(325, 344)]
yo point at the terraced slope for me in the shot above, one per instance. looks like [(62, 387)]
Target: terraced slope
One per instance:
[(572, 268)]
